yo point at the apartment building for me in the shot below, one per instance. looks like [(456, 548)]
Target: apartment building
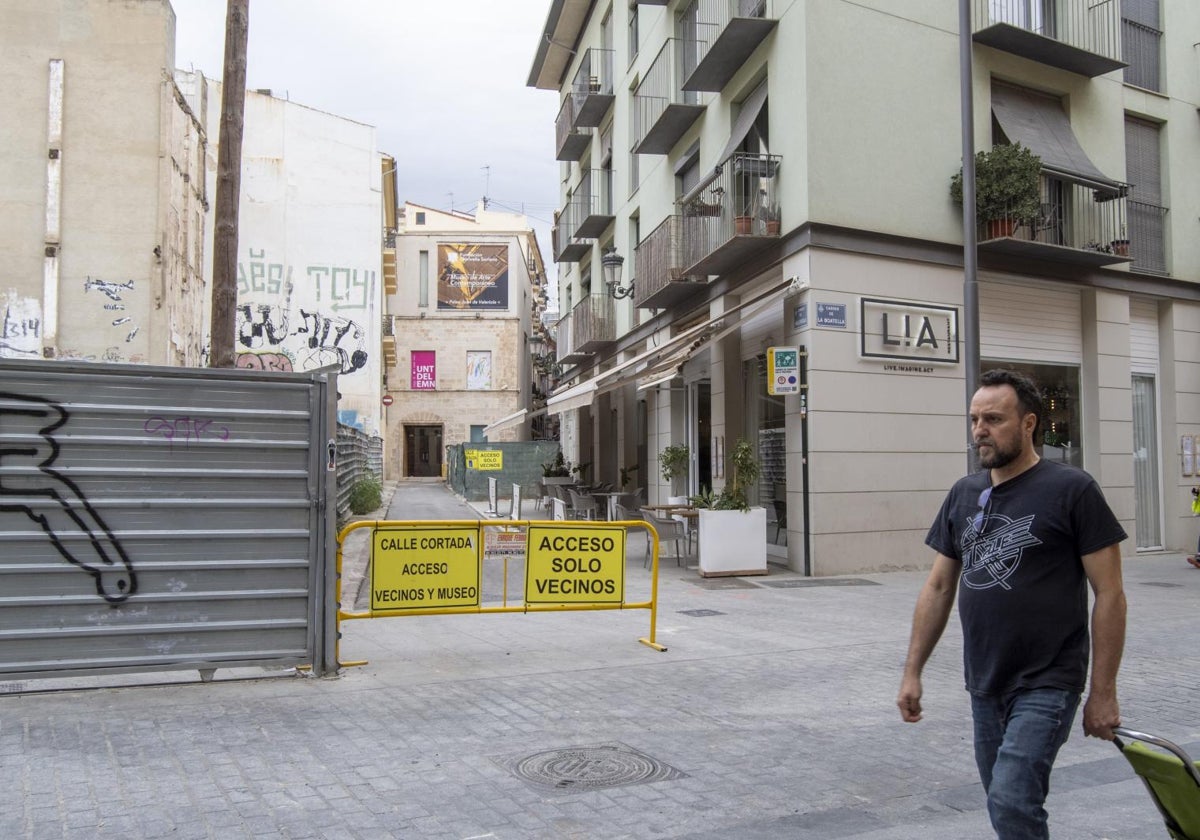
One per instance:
[(744, 174), (103, 200), (462, 329)]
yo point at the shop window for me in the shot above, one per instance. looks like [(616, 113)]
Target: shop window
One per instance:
[(1059, 437)]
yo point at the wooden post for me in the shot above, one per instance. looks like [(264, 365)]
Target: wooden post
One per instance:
[(229, 181)]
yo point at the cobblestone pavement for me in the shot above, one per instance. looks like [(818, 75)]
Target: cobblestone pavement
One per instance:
[(770, 716)]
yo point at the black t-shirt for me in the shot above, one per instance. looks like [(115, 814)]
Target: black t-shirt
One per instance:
[(1022, 594)]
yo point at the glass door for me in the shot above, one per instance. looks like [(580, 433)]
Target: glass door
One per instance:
[(1145, 463)]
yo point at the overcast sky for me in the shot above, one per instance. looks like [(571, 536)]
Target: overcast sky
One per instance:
[(443, 82)]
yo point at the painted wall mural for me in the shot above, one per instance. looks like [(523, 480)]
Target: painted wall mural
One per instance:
[(472, 276)]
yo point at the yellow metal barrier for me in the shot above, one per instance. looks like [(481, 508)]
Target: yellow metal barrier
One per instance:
[(435, 567)]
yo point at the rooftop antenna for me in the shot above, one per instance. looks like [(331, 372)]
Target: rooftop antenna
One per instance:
[(451, 194), (487, 182)]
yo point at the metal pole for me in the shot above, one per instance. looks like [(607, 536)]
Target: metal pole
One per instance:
[(970, 231), (229, 182)]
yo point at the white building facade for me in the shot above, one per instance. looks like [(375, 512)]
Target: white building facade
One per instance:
[(465, 323), (310, 247), (103, 203), (776, 172)]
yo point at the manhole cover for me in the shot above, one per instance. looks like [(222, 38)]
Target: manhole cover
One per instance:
[(802, 583), (589, 768), (700, 613), (1162, 584)]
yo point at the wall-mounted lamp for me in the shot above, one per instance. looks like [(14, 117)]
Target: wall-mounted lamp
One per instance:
[(611, 263)]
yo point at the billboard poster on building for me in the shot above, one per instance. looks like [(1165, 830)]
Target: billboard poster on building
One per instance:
[(424, 370), (472, 276)]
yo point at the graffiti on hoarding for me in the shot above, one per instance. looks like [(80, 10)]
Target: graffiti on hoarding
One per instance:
[(30, 484), (185, 428)]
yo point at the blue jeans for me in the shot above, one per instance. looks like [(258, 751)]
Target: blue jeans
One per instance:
[(1017, 738)]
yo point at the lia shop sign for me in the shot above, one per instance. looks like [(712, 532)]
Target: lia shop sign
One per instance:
[(907, 330)]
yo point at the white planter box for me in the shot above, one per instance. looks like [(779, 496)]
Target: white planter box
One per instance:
[(733, 542)]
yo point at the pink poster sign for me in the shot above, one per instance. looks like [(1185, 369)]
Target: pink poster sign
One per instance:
[(424, 370)]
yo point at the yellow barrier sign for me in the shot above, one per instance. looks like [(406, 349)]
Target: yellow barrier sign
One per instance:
[(485, 459), (420, 568), (575, 565)]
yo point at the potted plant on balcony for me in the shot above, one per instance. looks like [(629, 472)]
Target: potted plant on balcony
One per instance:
[(1006, 188), (733, 535), (1120, 245)]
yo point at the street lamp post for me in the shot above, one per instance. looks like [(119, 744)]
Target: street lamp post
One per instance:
[(970, 250)]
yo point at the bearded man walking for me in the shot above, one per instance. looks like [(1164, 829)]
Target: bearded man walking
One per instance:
[(1020, 541)]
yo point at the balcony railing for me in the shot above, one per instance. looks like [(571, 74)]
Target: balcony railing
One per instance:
[(592, 87), (1082, 36), (1076, 223), (1141, 49), (570, 141), (593, 324), (718, 36), (565, 348), (592, 202), (568, 246), (1147, 237), (732, 215), (662, 110), (658, 262)]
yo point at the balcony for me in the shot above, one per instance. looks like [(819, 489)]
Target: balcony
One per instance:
[(732, 215), (1082, 36), (570, 141), (592, 87), (1077, 224), (592, 202), (593, 324), (718, 36), (658, 263), (662, 110), (567, 354), (567, 246), (1147, 237)]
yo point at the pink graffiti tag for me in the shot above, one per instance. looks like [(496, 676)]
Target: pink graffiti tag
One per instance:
[(185, 428)]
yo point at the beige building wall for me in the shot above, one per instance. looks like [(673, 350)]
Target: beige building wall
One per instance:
[(101, 217)]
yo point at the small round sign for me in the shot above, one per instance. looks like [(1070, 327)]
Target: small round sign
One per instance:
[(387, 399)]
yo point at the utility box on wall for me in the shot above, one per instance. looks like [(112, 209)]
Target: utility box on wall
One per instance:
[(164, 518)]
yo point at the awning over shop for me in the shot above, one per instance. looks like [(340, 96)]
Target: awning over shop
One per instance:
[(1039, 122), (666, 358), (514, 419)]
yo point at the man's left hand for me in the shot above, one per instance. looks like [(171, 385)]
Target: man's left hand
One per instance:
[(1100, 715)]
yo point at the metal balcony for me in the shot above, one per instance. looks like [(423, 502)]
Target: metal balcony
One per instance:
[(1076, 224), (592, 202), (1082, 36), (658, 261), (570, 141), (567, 354), (568, 247), (593, 324), (662, 110), (592, 87), (732, 215), (718, 36)]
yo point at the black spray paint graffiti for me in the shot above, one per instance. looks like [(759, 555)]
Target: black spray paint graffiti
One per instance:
[(20, 334), (325, 337), (113, 291), (28, 450), (261, 326)]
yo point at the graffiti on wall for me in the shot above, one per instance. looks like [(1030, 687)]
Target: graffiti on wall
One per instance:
[(115, 294), (277, 336), (20, 328), (28, 450)]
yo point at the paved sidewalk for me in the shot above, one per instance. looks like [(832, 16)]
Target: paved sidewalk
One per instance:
[(770, 716)]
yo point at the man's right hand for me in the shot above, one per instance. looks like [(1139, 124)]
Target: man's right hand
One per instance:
[(909, 699)]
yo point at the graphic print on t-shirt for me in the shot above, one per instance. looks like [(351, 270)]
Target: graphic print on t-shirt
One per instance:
[(992, 553)]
